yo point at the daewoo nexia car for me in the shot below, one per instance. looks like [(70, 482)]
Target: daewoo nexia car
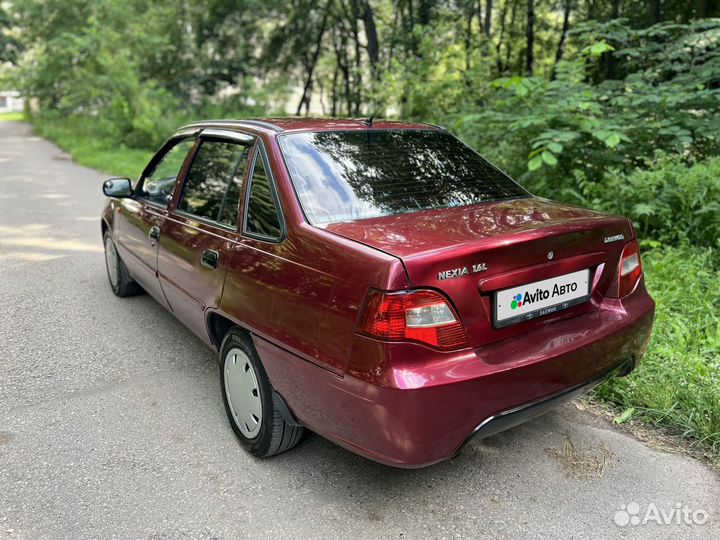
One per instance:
[(378, 283)]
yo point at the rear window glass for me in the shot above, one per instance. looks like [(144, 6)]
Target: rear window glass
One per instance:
[(349, 175)]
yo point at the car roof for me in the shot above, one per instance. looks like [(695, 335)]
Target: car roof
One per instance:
[(294, 124)]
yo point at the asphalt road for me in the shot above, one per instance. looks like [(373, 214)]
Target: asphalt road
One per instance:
[(112, 425)]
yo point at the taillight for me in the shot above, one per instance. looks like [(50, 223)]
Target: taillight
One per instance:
[(422, 316), (630, 269)]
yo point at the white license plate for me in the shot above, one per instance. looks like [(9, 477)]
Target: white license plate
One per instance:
[(540, 298)]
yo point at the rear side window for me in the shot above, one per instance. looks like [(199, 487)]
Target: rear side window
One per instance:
[(263, 218), (214, 181), (159, 184), (349, 175)]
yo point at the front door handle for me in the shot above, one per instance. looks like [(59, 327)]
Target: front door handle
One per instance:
[(154, 234), (210, 258)]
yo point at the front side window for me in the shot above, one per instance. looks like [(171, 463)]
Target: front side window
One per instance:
[(263, 218), (159, 184), (214, 181), (350, 175)]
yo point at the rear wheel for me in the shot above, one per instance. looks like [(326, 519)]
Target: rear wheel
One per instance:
[(120, 281), (247, 394)]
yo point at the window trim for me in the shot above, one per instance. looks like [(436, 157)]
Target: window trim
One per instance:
[(216, 134), (168, 145), (262, 154)]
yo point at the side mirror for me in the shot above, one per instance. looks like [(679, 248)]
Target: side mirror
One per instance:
[(117, 187)]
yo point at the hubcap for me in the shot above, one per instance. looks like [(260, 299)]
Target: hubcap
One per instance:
[(243, 392), (111, 261)]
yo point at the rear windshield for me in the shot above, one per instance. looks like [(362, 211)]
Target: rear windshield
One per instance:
[(349, 175)]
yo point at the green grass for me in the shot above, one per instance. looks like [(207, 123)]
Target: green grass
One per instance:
[(677, 385), (13, 116), (92, 149)]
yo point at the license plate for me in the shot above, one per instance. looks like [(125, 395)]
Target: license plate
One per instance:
[(540, 298)]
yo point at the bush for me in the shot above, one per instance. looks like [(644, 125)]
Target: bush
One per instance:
[(87, 143), (663, 95), (678, 382), (667, 200)]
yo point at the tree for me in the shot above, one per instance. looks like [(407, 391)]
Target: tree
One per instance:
[(567, 7), (530, 37)]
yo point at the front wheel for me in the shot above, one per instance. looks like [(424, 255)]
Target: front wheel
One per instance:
[(247, 394)]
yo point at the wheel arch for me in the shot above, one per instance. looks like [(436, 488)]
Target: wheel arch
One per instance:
[(218, 325)]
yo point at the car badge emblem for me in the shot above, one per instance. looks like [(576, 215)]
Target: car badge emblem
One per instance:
[(459, 272), (615, 238), (550, 255)]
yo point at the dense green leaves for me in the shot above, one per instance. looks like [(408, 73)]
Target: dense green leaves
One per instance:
[(652, 104), (666, 199)]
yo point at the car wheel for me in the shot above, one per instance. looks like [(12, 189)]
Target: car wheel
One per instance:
[(120, 281), (248, 397)]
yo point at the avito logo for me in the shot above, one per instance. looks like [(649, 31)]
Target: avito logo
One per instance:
[(542, 294)]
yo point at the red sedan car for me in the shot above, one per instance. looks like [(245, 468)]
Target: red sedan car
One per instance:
[(378, 283)]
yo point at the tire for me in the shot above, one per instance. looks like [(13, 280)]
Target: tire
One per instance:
[(248, 398), (120, 281)]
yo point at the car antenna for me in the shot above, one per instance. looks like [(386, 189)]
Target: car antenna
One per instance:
[(368, 121)]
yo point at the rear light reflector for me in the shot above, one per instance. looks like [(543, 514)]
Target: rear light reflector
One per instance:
[(421, 316), (630, 270)]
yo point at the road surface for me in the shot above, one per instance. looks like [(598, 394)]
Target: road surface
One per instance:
[(112, 424)]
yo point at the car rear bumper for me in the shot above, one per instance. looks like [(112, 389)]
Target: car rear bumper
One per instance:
[(416, 415), (517, 415)]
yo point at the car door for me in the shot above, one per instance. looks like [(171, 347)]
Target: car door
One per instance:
[(200, 230), (139, 219)]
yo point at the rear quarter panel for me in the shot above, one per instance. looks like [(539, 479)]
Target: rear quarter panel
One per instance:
[(305, 292)]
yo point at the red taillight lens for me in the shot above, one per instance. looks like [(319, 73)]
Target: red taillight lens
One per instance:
[(630, 269), (421, 316)]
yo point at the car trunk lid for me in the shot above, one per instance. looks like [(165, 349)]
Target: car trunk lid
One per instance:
[(470, 253)]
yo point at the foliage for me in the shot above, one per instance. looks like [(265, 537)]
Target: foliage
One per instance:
[(667, 201), (572, 125), (678, 383), (87, 146), (120, 68)]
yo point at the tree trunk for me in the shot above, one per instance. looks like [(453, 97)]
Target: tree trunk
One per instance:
[(707, 8), (305, 99), (333, 104), (358, 58), (498, 46), (563, 34), (410, 27), (488, 17), (373, 47), (591, 12), (530, 37), (469, 16), (655, 11), (425, 11), (345, 68), (511, 36)]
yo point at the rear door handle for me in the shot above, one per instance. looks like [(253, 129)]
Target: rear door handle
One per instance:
[(154, 234), (210, 258)]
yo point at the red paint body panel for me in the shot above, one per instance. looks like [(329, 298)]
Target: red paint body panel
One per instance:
[(132, 221), (426, 405), (190, 287), (403, 404)]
